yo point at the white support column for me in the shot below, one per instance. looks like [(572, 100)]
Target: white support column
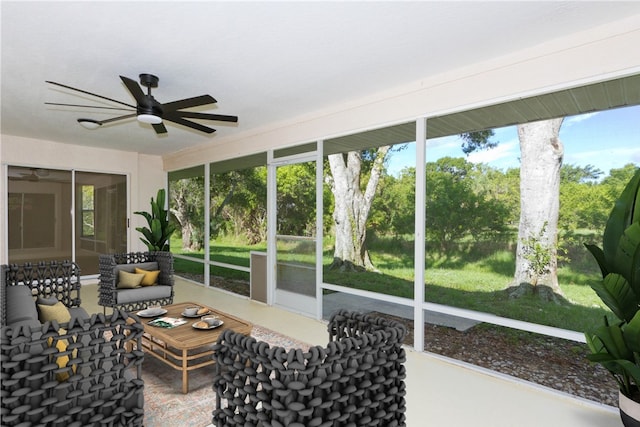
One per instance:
[(72, 214), (271, 228), (319, 228), (4, 220), (420, 217), (207, 225)]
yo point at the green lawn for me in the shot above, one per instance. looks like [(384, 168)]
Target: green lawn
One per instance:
[(474, 280)]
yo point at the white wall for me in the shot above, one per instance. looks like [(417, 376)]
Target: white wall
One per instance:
[(145, 174), (601, 53)]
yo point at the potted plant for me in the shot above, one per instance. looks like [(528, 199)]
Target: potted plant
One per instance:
[(616, 344), (157, 235)]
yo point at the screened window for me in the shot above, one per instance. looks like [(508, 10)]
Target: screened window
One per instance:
[(88, 210)]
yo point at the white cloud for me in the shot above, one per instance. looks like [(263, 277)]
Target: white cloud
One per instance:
[(577, 119), (445, 142), (604, 159), (505, 150)]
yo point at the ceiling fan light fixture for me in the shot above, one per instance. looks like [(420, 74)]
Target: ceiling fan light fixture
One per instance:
[(150, 119), (89, 123)]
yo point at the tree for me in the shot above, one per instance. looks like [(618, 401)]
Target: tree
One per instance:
[(541, 154), (352, 204), (457, 207), (187, 207), (579, 174), (239, 203), (296, 199), (394, 206), (583, 202)]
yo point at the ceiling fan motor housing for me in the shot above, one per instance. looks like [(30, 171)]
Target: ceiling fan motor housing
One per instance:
[(154, 108)]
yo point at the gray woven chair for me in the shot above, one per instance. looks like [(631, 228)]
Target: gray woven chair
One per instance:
[(85, 372), (357, 380), (109, 295)]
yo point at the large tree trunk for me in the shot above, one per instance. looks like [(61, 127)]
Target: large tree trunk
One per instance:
[(181, 212), (541, 155), (352, 207)]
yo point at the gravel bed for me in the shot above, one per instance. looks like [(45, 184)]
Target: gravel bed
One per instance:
[(552, 362)]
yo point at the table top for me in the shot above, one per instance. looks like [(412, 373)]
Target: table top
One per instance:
[(186, 336)]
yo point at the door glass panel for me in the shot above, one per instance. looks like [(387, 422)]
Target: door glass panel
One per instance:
[(101, 217), (296, 237), (39, 218)]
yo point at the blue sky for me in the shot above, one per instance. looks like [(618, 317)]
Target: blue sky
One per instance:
[(607, 140)]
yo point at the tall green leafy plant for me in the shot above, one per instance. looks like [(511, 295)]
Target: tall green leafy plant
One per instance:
[(616, 345), (156, 236)]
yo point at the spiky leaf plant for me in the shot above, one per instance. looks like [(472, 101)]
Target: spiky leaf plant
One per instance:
[(156, 236), (617, 346)]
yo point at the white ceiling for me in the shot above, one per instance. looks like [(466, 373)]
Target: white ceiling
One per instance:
[(265, 62)]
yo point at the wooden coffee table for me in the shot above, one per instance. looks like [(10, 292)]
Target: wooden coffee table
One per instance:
[(184, 347)]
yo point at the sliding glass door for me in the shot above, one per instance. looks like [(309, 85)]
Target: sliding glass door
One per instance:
[(61, 215)]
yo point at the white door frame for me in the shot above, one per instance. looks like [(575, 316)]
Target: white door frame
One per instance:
[(299, 303)]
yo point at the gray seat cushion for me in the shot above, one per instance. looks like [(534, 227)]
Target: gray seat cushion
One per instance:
[(20, 304), (143, 294)]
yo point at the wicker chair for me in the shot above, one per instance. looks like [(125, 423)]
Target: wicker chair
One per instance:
[(357, 380), (109, 295), (85, 372)]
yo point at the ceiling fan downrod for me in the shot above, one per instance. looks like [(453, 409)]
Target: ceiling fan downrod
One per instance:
[(151, 114)]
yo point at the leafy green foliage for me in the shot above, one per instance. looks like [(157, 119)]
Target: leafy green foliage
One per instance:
[(480, 140), (579, 174), (456, 207), (296, 199), (156, 236), (616, 346), (394, 205), (537, 253), (239, 203)]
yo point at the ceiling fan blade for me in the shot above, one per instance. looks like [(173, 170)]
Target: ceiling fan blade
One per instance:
[(188, 103), (159, 128), (89, 93), (135, 90), (206, 116), (115, 119), (88, 106), (188, 123)]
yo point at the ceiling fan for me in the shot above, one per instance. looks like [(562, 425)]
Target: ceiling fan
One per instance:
[(148, 110), (34, 175)]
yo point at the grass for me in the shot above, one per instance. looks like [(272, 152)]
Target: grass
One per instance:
[(473, 276)]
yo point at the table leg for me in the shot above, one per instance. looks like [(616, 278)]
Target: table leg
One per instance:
[(185, 373)]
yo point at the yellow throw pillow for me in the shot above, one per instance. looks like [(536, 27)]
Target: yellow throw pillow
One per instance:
[(150, 277), (62, 361), (128, 280), (57, 311), (60, 313)]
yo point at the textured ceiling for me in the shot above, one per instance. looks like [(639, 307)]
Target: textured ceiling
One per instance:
[(265, 62)]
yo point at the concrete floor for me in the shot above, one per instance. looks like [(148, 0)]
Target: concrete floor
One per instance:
[(440, 391)]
